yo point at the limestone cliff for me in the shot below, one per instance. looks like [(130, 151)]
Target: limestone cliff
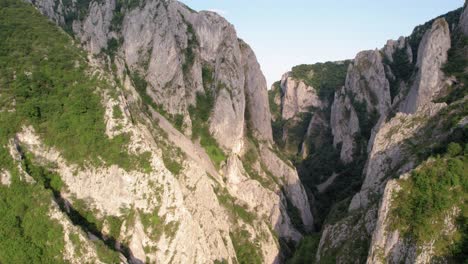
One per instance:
[(387, 118), (432, 54), (192, 101), (398, 143)]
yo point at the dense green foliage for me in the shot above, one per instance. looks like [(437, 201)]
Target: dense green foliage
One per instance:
[(246, 251), (456, 65), (27, 234), (401, 68), (306, 250), (275, 109), (324, 77), (172, 164), (200, 114), (46, 76), (294, 215), (429, 194), (277, 122)]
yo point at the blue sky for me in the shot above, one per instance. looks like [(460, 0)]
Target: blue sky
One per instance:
[(287, 33)]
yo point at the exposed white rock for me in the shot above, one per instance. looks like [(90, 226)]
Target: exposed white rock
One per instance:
[(5, 177), (298, 97), (78, 250), (366, 84), (324, 185), (432, 54), (50, 8), (256, 96), (384, 240), (94, 30), (265, 202), (170, 46), (227, 121), (293, 187), (342, 239), (318, 124), (345, 124)]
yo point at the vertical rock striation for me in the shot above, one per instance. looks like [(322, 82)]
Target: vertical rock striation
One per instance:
[(432, 55)]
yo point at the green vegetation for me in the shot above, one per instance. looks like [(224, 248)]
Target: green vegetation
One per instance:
[(115, 224), (246, 251), (152, 224), (294, 214), (324, 77), (250, 160), (296, 129), (323, 157), (78, 246), (46, 76), (112, 47), (277, 121), (200, 115), (236, 211), (122, 6), (75, 10), (155, 225), (79, 214), (274, 108), (171, 164), (189, 52), (306, 250), (431, 192), (401, 68), (455, 66), (42, 176), (27, 234), (116, 112), (104, 254), (366, 120)]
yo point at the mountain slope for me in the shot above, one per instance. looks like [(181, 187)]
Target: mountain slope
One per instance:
[(153, 143), (392, 116)]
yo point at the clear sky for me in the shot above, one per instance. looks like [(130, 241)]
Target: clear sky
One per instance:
[(287, 33)]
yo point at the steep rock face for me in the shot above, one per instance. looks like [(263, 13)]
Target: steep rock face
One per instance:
[(464, 21), (172, 54), (389, 152), (94, 31), (315, 133), (294, 189), (432, 54), (298, 97), (398, 143), (366, 95), (344, 123), (175, 50), (259, 116), (393, 45)]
